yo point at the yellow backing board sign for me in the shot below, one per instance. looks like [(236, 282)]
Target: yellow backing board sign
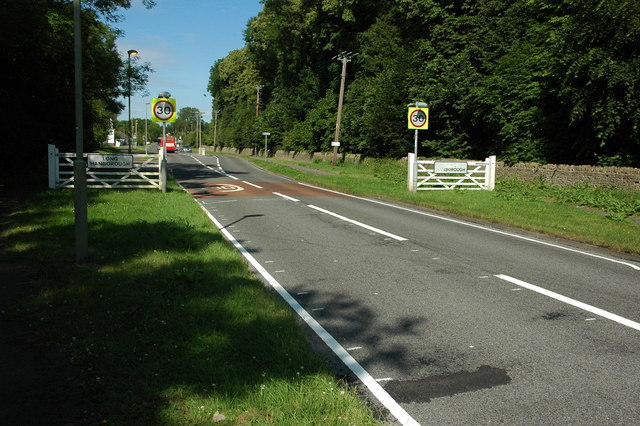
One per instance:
[(418, 118), (163, 110)]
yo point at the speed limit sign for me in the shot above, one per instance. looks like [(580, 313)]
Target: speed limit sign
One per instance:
[(418, 118), (163, 110)]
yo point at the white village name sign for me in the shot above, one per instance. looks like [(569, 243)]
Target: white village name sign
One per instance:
[(109, 161), (457, 167)]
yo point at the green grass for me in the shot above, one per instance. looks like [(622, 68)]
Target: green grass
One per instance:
[(538, 207), (165, 321)]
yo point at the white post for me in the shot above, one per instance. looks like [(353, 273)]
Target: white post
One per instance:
[(415, 174), (491, 172), (412, 172), (265, 147)]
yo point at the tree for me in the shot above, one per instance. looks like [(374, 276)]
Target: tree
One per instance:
[(526, 80), (232, 84), (186, 121), (37, 90)]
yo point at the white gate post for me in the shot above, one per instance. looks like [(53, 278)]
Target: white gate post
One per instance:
[(412, 174), (53, 166), (491, 172)]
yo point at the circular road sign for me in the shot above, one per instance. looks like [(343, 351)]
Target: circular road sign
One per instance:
[(164, 110), (418, 118)]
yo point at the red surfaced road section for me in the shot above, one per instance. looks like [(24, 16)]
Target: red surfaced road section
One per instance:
[(242, 189)]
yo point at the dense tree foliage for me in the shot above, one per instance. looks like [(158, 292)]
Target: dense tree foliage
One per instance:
[(121, 128), (527, 80), (186, 127), (37, 88)]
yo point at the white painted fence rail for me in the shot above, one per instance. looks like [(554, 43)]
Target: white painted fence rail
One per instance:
[(144, 172), (444, 175)]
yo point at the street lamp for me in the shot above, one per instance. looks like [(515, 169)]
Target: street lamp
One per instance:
[(129, 53), (81, 223), (215, 128), (199, 115), (146, 136)]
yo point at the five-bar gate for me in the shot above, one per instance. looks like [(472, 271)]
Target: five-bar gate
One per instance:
[(444, 175), (142, 171)]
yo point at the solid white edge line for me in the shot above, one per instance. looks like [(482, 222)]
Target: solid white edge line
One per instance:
[(355, 222), (473, 225), (286, 197), (573, 302), (378, 391)]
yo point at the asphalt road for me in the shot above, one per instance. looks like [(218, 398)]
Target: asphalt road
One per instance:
[(445, 321)]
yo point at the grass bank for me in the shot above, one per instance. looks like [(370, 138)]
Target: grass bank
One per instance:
[(165, 323), (598, 216)]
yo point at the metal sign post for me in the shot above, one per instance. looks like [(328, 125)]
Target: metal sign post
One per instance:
[(417, 118), (163, 110), (266, 135)]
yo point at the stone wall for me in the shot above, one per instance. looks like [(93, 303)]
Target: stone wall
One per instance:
[(566, 175)]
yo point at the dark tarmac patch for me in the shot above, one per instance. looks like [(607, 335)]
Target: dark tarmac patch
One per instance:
[(553, 316), (424, 390)]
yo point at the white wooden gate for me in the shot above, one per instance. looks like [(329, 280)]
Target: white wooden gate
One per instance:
[(145, 172), (444, 175)]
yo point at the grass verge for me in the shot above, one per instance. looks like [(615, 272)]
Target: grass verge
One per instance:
[(166, 323), (598, 216)]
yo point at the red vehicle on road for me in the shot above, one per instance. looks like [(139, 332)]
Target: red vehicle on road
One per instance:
[(171, 143)]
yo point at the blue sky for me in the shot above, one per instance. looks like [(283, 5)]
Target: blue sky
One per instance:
[(182, 39)]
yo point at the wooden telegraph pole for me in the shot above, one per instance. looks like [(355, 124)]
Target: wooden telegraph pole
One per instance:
[(344, 57), (258, 88)]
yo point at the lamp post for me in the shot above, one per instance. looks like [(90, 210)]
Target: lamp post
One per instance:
[(81, 223), (199, 115), (129, 53), (146, 136), (197, 130), (215, 128)]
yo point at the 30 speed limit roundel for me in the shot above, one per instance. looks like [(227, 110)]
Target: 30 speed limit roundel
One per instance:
[(418, 118), (163, 110)]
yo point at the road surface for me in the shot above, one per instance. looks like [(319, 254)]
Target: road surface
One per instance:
[(445, 321)]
